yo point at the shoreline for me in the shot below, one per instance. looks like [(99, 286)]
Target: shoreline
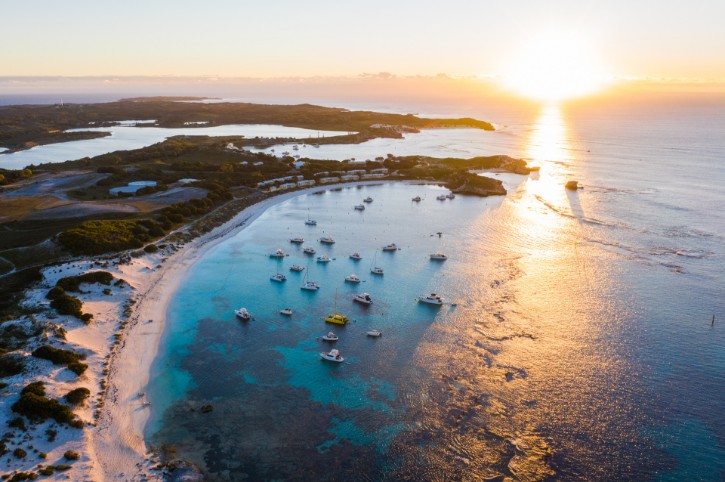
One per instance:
[(117, 444)]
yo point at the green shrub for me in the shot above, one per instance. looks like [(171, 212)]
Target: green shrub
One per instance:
[(11, 365), (62, 467), (3, 385), (38, 408), (77, 396), (18, 422), (22, 476), (73, 283), (86, 318), (37, 388), (103, 236), (77, 367), (67, 305), (71, 455), (151, 248), (47, 470), (58, 356), (55, 292), (19, 453)]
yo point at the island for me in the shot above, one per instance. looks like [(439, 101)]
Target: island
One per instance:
[(92, 248)]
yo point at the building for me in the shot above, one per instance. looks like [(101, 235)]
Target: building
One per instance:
[(350, 177), (328, 180), (288, 185), (307, 183)]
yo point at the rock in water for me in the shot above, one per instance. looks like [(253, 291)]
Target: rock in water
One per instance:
[(572, 185)]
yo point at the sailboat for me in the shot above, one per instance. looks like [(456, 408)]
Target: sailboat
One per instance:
[(310, 222), (336, 318), (375, 269), (309, 285)]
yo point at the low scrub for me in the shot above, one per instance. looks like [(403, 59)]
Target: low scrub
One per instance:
[(36, 407), (77, 396), (68, 305), (73, 283), (58, 356)]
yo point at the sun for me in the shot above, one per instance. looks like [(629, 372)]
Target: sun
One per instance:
[(554, 67)]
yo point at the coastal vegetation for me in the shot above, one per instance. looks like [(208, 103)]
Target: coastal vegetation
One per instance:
[(36, 407)]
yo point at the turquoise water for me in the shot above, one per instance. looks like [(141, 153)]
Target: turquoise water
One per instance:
[(579, 347)]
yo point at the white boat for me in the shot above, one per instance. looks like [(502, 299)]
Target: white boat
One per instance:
[(333, 356), (311, 222), (363, 298), (286, 311), (356, 256), (431, 299), (309, 250), (360, 207), (390, 247), (368, 200), (330, 337), (297, 240), (296, 267), (442, 197), (450, 195), (243, 314), (295, 148), (279, 277), (323, 259), (376, 270), (353, 278), (327, 239), (438, 257), (375, 333), (277, 254), (310, 286), (416, 199)]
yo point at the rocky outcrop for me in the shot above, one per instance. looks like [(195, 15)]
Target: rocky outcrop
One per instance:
[(478, 186)]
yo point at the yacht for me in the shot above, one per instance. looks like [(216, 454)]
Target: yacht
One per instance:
[(416, 199), (368, 200), (390, 247), (375, 333), (353, 278), (327, 239), (296, 267), (332, 356), (295, 147), (442, 197), (336, 319), (431, 299), (243, 314), (356, 256), (360, 207), (279, 277), (297, 240), (277, 254), (377, 270), (323, 259), (363, 298), (311, 222), (450, 195), (438, 257), (330, 337), (286, 311), (310, 286), (309, 250)]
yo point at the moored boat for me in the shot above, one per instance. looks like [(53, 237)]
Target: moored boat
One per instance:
[(377, 270), (277, 254), (297, 240), (431, 299), (330, 337), (450, 195), (353, 278), (286, 311), (336, 319), (279, 277), (442, 197), (309, 250), (375, 333), (332, 356), (327, 239), (363, 298), (356, 256), (416, 199), (360, 207), (310, 286), (390, 247), (438, 257), (243, 314), (323, 259), (296, 267), (368, 200)]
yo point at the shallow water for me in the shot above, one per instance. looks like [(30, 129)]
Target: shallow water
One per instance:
[(580, 346), (127, 137)]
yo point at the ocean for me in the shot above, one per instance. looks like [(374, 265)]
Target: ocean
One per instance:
[(576, 342)]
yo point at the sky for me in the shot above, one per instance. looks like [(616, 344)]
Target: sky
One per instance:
[(286, 38)]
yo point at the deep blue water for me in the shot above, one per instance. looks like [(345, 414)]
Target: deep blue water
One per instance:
[(580, 346)]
